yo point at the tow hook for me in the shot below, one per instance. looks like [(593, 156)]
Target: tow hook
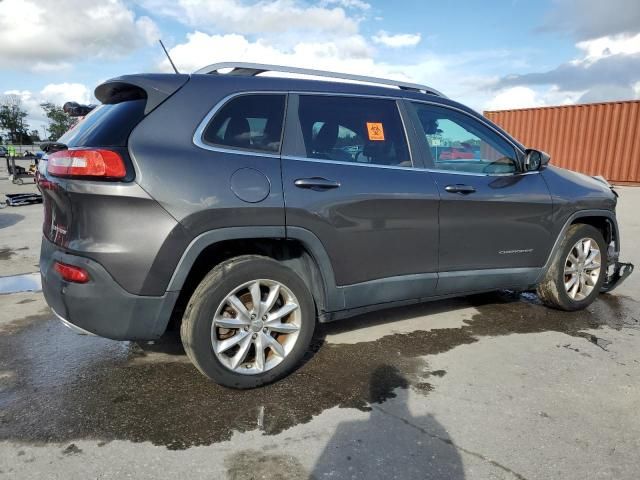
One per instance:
[(620, 272)]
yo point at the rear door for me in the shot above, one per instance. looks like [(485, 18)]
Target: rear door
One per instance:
[(349, 178), (495, 220)]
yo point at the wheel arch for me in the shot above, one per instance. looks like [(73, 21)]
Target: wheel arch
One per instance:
[(604, 220), (298, 249)]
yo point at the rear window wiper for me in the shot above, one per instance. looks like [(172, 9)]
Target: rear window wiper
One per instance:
[(50, 147)]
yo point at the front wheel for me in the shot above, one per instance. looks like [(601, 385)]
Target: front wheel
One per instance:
[(249, 322), (577, 271)]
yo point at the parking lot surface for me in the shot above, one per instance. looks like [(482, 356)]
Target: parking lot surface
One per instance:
[(489, 386)]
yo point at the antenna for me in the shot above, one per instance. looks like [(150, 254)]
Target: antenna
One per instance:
[(167, 54)]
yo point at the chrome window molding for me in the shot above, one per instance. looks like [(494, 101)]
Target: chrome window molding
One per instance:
[(355, 164), (460, 110), (198, 135)]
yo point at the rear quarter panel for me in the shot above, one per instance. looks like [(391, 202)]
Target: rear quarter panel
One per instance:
[(191, 183)]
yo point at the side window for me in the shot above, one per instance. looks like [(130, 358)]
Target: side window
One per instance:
[(250, 122), (351, 129), (460, 143)]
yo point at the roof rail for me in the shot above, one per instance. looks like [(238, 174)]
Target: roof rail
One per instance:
[(253, 69)]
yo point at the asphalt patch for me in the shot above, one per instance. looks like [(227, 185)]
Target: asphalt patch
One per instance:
[(66, 387)]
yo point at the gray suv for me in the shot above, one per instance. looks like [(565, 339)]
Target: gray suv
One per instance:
[(242, 209)]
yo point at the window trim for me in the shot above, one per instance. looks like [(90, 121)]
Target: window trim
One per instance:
[(198, 135), (401, 115), (518, 151)]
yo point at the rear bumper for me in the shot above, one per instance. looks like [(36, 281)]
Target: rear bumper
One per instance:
[(101, 306)]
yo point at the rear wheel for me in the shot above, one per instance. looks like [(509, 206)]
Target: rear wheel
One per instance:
[(577, 271), (249, 322)]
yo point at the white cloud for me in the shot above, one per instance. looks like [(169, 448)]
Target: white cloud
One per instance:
[(57, 93), (39, 35), (527, 97), (350, 53), (398, 40), (599, 48), (514, 97), (60, 93), (608, 69), (454, 74), (355, 4), (272, 17)]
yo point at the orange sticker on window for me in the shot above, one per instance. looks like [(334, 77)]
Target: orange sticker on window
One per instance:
[(376, 132)]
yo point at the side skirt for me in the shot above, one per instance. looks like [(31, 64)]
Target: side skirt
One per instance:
[(411, 289)]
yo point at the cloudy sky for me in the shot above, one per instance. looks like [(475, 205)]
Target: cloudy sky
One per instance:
[(490, 54)]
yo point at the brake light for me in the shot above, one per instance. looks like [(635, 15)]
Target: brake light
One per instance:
[(86, 163), (71, 273)]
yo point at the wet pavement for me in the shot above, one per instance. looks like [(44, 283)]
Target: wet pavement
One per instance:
[(492, 386), (59, 387), (28, 282)]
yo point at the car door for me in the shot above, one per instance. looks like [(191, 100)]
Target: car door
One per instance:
[(495, 219), (349, 179)]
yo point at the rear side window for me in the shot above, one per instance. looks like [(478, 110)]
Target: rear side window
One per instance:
[(248, 122), (352, 129), (106, 126)]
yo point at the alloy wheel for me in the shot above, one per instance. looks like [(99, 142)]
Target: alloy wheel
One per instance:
[(582, 269), (256, 326)]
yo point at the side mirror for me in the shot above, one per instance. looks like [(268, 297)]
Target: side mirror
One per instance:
[(535, 159)]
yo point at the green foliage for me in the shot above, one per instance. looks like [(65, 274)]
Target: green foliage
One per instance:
[(12, 119), (34, 135), (59, 121)]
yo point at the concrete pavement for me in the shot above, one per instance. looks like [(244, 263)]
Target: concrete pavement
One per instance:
[(491, 386)]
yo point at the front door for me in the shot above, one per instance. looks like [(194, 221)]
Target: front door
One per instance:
[(348, 178), (495, 220)]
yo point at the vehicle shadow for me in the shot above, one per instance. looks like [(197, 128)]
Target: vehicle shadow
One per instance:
[(9, 219), (391, 443)]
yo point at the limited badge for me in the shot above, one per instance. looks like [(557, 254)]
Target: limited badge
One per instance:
[(376, 131)]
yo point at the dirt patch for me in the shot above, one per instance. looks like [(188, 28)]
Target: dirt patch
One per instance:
[(6, 254)]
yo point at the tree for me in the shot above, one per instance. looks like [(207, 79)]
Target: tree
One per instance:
[(59, 121), (12, 119), (34, 135)]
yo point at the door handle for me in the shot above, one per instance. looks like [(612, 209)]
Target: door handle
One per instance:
[(316, 183), (462, 189)]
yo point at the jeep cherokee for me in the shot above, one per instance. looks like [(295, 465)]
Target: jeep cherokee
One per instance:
[(243, 208)]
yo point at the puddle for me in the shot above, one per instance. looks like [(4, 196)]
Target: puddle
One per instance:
[(60, 387), (28, 282)]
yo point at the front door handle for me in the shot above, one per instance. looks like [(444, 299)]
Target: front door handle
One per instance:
[(462, 189), (316, 183)]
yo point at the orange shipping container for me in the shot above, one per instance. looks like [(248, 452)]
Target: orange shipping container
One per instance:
[(596, 139)]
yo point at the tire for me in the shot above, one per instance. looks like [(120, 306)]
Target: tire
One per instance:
[(554, 292), (203, 340)]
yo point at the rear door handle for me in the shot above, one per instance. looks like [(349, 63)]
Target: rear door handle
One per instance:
[(462, 189), (316, 183)]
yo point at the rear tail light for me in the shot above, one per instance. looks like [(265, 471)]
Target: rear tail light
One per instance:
[(71, 273), (95, 163)]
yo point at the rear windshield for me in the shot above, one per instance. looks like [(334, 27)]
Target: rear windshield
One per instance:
[(106, 126)]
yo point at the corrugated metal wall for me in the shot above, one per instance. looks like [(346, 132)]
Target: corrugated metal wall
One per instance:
[(597, 139)]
